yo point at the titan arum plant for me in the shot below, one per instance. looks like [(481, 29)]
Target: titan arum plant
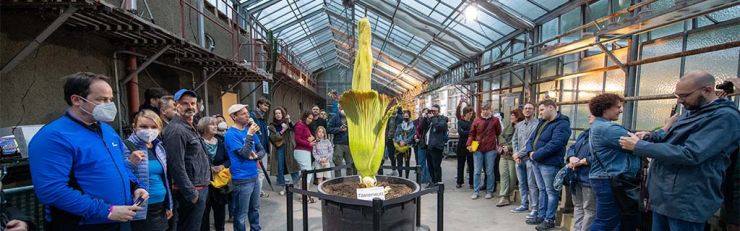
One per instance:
[(367, 112)]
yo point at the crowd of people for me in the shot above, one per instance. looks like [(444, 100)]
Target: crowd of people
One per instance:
[(168, 174), (177, 166)]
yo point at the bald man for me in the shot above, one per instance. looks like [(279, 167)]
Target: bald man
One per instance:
[(690, 155)]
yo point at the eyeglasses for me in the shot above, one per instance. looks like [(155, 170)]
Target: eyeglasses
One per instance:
[(686, 95)]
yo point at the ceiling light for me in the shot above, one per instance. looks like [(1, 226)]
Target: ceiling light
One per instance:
[(471, 12)]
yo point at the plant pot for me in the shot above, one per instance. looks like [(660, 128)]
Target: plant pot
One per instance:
[(400, 215)]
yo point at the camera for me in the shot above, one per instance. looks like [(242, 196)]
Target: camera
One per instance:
[(726, 86)]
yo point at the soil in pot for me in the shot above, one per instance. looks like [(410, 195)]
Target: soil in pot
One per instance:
[(349, 189)]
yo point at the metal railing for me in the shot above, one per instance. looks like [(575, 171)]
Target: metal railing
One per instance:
[(376, 204), (24, 199)]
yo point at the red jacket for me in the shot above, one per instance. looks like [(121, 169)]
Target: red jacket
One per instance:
[(485, 131), (301, 137)]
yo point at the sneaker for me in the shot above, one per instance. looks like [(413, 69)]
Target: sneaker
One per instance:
[(532, 214), (264, 195), (519, 209), (534, 221), (474, 196), (545, 225), (282, 192), (488, 196), (503, 202), (458, 186)]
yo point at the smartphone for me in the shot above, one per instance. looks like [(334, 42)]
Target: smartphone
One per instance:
[(674, 110), (139, 201)]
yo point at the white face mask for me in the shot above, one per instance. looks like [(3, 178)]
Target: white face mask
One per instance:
[(202, 108), (222, 126), (147, 135), (105, 112)]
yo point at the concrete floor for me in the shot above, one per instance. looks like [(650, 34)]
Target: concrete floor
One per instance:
[(460, 212)]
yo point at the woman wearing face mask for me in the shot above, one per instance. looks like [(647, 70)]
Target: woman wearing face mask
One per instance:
[(217, 197), (404, 138), (147, 159), (221, 125)]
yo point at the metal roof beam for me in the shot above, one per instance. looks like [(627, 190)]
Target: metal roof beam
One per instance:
[(292, 22), (397, 47), (315, 47), (428, 30), (259, 8), (507, 14), (319, 31)]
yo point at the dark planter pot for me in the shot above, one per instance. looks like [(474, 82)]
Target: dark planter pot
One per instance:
[(400, 215)]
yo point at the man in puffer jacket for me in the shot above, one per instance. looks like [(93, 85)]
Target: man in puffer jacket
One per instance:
[(546, 147)]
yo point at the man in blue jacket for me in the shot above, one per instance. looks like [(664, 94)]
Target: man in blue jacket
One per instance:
[(77, 166), (244, 149), (338, 128), (690, 155), (546, 147)]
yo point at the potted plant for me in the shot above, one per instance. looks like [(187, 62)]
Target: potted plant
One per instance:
[(367, 114)]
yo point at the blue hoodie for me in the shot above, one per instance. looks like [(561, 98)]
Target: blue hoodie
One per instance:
[(690, 159), (67, 145), (549, 148)]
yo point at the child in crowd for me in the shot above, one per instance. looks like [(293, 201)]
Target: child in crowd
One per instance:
[(323, 152)]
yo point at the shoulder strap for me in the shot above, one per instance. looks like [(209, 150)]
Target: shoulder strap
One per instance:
[(130, 145), (591, 150)]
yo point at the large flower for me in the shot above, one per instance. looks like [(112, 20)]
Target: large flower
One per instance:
[(366, 111)]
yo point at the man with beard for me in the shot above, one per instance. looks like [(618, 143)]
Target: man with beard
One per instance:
[(338, 128), (690, 155), (317, 120), (188, 163)]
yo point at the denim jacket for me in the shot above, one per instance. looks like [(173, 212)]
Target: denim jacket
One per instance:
[(605, 146)]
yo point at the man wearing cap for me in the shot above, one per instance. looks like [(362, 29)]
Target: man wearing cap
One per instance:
[(244, 149), (188, 163)]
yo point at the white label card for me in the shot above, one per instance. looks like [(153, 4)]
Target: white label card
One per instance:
[(369, 193)]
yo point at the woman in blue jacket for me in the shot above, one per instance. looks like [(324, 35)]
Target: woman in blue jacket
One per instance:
[(146, 158), (610, 161)]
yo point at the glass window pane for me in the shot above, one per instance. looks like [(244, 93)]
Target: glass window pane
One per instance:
[(581, 119), (525, 8), (569, 90), (569, 21), (549, 68), (590, 85), (592, 62), (726, 14), (721, 64), (662, 47), (615, 82), (713, 37), (549, 30), (550, 4), (652, 113), (669, 30), (597, 10), (659, 78)]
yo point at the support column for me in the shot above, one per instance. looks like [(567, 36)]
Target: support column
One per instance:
[(205, 93), (630, 83), (132, 86)]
